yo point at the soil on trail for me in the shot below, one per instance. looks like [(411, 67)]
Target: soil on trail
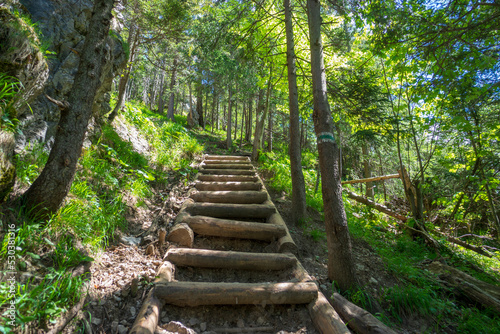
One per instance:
[(123, 274)]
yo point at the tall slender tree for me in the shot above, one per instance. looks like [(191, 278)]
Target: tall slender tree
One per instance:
[(298, 183), (340, 260)]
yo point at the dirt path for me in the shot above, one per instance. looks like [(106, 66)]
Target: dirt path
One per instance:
[(229, 263)]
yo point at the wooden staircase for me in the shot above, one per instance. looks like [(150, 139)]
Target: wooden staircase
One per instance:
[(231, 202)]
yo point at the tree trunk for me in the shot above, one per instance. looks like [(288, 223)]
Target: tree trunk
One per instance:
[(170, 112), (367, 170), (340, 261), (270, 134), (248, 134), (235, 120), (160, 93), (298, 183), (133, 40), (214, 102), (228, 133), (199, 104), (47, 193)]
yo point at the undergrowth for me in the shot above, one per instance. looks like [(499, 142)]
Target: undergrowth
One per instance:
[(418, 294), (110, 176)]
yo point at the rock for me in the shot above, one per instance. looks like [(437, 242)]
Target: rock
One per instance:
[(117, 298), (134, 286), (96, 321), (261, 321), (114, 326), (372, 280), (122, 329), (125, 293), (193, 322), (132, 311), (130, 241), (177, 327), (64, 24), (240, 323), (165, 320), (203, 326)]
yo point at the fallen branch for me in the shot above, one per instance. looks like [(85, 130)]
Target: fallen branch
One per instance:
[(473, 248), (376, 206), (370, 179), (360, 320)]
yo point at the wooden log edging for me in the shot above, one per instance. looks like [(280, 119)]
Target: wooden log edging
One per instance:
[(234, 197), (285, 243), (181, 233), (224, 210), (358, 319), (202, 293), (227, 186), (226, 171), (226, 157), (147, 318), (205, 258), (227, 178), (228, 166), (216, 227)]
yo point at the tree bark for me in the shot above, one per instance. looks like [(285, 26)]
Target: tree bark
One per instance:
[(229, 141), (199, 104), (367, 170), (340, 261), (259, 124), (170, 111), (248, 134), (298, 183), (47, 193), (133, 41)]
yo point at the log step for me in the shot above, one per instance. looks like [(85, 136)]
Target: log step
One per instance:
[(228, 166), (226, 162), (227, 171), (224, 210), (200, 293), (205, 258), (235, 197), (226, 157), (225, 186), (227, 178), (234, 229)]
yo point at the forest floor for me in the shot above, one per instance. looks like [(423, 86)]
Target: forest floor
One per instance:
[(122, 273)]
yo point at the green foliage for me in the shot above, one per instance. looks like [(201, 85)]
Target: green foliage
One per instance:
[(109, 170), (29, 162), (478, 322), (9, 88)]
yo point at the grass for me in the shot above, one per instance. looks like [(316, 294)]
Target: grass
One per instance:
[(419, 294), (109, 171)]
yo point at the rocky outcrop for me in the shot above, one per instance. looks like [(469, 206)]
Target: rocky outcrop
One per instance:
[(20, 61), (63, 25)]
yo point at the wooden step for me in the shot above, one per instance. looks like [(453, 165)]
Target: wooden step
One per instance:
[(226, 162), (226, 171), (236, 197), (205, 258), (234, 229), (228, 178), (227, 166), (226, 157), (223, 210), (225, 186), (201, 293)]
